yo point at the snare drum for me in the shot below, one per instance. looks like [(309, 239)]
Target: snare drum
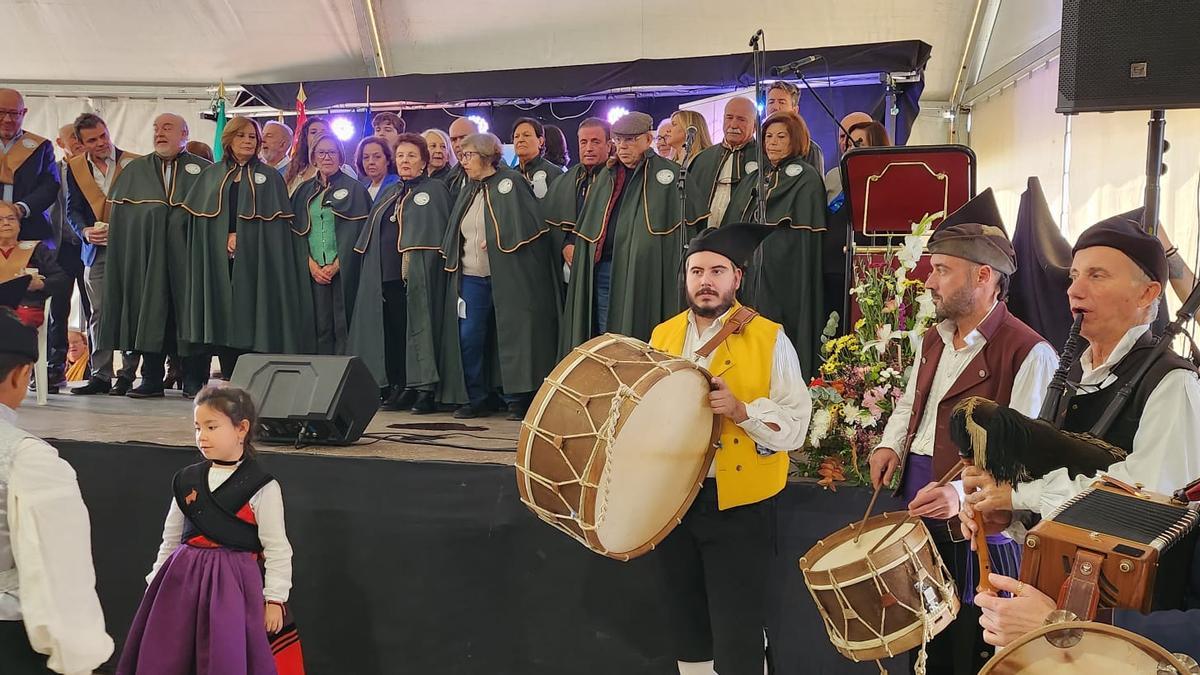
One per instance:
[(616, 444), (1084, 648), (877, 604)]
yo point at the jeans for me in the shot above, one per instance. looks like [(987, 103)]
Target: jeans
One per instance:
[(601, 288), (473, 334)]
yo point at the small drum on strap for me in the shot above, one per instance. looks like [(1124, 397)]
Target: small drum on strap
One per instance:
[(616, 445), (1084, 648), (880, 598)]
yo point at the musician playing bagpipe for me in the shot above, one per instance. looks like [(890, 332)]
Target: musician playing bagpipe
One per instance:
[(1150, 437), (977, 349)]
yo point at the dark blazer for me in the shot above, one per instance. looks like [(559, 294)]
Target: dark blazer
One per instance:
[(79, 211), (36, 184)]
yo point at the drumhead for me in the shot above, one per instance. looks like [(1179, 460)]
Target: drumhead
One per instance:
[(849, 551), (1101, 649), (658, 456)]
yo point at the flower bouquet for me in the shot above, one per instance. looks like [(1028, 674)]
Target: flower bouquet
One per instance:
[(863, 373)]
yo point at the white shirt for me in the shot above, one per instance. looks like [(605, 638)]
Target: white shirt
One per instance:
[(267, 505), (373, 189), (722, 194), (1166, 447), (104, 180), (788, 404), (1029, 387), (50, 534)]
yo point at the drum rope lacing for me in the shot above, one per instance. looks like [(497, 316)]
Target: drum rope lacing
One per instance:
[(604, 433)]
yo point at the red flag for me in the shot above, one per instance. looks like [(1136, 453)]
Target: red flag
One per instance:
[(300, 117)]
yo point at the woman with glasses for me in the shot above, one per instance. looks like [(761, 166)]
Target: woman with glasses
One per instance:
[(503, 274), (331, 210)]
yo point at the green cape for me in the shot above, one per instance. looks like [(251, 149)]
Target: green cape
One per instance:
[(362, 295), (421, 221), (646, 253), (561, 206), (147, 266), (706, 169), (541, 174), (264, 304), (784, 281), (525, 287)]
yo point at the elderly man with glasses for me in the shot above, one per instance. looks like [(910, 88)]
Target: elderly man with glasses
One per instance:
[(28, 174)]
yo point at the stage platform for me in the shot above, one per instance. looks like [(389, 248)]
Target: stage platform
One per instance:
[(414, 555)]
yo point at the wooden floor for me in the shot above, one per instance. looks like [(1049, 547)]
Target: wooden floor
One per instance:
[(168, 421)]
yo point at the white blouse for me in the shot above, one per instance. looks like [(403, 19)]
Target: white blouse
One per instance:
[(267, 505)]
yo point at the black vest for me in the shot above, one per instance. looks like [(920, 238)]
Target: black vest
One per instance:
[(214, 514), (1084, 410)]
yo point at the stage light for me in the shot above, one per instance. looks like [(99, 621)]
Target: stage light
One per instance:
[(343, 128), (615, 113), (479, 122)]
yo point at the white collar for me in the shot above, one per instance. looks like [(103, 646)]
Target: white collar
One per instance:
[(947, 327), (1126, 343), (9, 144), (8, 415), (717, 323)]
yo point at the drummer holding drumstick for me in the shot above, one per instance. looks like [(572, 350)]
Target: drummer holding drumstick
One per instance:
[(715, 563), (979, 349)]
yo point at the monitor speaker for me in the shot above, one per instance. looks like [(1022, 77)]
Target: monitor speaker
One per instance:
[(1129, 55), (308, 400)]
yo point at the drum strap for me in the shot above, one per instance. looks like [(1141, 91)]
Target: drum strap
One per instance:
[(735, 325)]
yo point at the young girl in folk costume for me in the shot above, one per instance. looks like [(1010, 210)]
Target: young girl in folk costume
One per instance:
[(208, 610)]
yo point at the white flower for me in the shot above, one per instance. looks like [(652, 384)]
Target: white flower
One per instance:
[(851, 412), (910, 253), (866, 420), (820, 426), (888, 373), (925, 307)]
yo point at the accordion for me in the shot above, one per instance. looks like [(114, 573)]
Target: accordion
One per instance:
[(1113, 546)]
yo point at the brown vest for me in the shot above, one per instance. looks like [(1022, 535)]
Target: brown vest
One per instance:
[(990, 374)]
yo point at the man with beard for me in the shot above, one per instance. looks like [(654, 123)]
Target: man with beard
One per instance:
[(456, 178), (564, 202), (977, 349), (716, 172), (145, 291), (629, 241), (276, 141), (715, 564)]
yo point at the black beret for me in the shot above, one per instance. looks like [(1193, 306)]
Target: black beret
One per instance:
[(736, 241), (1125, 233), (16, 337)]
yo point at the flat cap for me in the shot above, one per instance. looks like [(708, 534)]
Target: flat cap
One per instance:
[(976, 233), (633, 124)]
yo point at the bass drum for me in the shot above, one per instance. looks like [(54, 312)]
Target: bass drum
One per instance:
[(1085, 648)]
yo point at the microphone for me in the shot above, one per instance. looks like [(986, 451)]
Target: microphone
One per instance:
[(754, 38), (796, 65), (691, 136)]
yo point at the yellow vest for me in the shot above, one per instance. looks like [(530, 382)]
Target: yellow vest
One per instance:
[(743, 361)]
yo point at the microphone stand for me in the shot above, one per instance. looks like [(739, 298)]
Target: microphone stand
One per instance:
[(760, 207), (688, 141)]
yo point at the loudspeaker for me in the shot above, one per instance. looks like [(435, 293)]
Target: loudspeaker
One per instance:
[(1129, 55), (308, 400)]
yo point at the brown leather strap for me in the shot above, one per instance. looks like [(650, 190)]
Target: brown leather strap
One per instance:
[(734, 325), (1081, 591)]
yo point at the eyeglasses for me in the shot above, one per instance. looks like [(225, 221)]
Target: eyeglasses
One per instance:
[(11, 113), (327, 154), (464, 156)]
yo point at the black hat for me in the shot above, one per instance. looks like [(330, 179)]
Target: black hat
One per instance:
[(16, 337), (1125, 233), (981, 209), (13, 290), (736, 241)]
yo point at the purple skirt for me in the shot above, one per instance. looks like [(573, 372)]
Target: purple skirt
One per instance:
[(202, 615)]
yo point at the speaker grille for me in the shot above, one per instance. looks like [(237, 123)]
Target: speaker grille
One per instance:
[(1129, 55)]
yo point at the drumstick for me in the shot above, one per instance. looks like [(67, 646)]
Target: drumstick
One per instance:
[(950, 475), (868, 513)]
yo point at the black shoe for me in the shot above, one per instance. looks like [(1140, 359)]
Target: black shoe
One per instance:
[(406, 399), (52, 387), (389, 401), (516, 411), (121, 388), (145, 390), (190, 390), (424, 405), (470, 412), (94, 386)]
